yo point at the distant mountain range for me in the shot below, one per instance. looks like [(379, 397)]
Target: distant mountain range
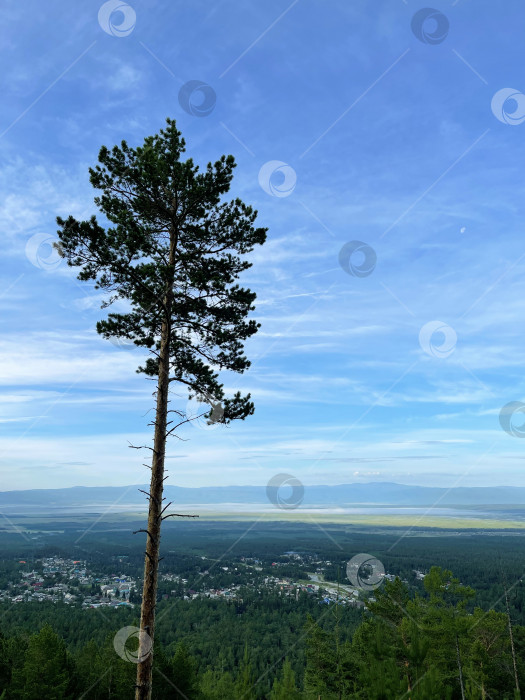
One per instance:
[(342, 495)]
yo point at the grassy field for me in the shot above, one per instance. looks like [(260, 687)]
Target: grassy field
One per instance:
[(375, 520), (38, 522)]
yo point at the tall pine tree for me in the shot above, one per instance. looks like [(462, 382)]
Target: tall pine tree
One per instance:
[(47, 668), (284, 688), (173, 251)]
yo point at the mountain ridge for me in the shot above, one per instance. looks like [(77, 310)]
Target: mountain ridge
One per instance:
[(371, 493)]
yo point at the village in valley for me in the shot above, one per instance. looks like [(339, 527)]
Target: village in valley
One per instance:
[(58, 579)]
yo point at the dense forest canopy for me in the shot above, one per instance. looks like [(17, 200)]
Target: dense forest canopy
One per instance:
[(421, 644)]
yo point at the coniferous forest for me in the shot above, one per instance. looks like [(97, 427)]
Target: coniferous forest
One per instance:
[(440, 634), (421, 646)]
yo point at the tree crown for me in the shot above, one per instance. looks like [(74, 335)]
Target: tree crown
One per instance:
[(173, 250)]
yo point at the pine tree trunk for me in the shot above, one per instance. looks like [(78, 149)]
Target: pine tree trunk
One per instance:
[(151, 563), (407, 676), (512, 642), (460, 669)]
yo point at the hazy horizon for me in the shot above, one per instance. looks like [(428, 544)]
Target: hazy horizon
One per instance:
[(263, 486)]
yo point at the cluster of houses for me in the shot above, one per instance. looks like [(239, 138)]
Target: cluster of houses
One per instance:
[(190, 594), (68, 581), (345, 595)]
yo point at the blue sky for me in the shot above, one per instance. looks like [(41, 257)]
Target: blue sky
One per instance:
[(385, 139)]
